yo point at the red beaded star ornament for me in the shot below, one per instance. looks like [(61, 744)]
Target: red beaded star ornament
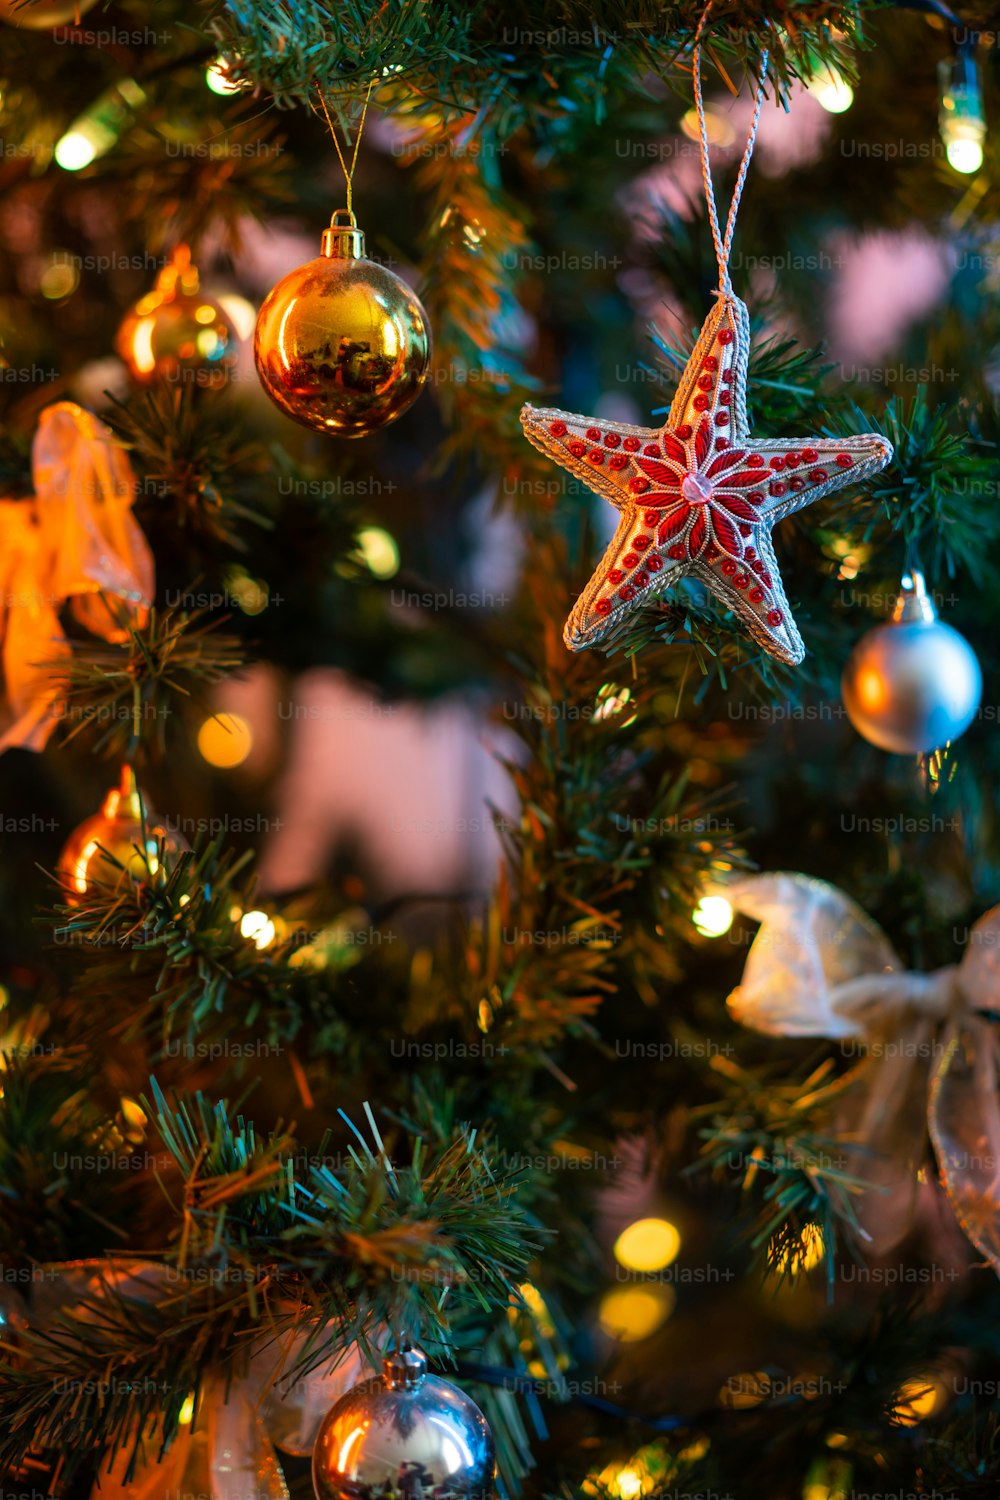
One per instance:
[(699, 496)]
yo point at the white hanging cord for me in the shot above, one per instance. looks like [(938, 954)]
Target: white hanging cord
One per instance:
[(723, 244)]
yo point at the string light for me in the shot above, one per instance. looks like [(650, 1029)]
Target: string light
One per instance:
[(632, 1313), (962, 121), (647, 1245), (713, 916), (218, 79), (93, 133), (258, 927), (225, 740), (831, 91), (802, 1254), (378, 552), (916, 1399)]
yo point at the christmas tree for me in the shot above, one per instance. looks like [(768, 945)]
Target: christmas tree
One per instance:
[(498, 986)]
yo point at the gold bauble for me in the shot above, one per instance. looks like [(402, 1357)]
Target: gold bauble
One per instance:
[(342, 344), (176, 331), (40, 15), (121, 830)]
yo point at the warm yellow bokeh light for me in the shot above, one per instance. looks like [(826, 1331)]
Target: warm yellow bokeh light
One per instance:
[(831, 91), (258, 927), (627, 1484), (74, 151), (631, 1313), (916, 1399), (225, 740), (712, 916), (59, 279), (718, 127), (964, 155), (743, 1392), (647, 1245), (612, 700), (803, 1255), (378, 551), (186, 1412), (219, 80)]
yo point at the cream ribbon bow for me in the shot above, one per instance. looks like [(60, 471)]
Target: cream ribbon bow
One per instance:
[(819, 966), (75, 539)]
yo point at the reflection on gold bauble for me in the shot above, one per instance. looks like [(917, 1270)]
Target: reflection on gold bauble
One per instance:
[(342, 344), (40, 15), (176, 332), (125, 825)]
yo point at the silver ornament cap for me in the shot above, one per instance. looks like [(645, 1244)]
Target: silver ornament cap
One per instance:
[(914, 683), (402, 1436)]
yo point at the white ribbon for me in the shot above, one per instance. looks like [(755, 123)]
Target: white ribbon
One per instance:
[(819, 966)]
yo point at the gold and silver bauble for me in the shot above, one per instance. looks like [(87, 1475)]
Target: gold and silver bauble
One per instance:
[(342, 344), (41, 15), (177, 331), (403, 1435), (125, 828), (912, 684)]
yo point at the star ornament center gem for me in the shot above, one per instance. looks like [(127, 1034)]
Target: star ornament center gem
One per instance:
[(698, 496)]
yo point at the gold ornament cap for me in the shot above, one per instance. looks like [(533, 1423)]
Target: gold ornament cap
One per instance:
[(404, 1369), (344, 241)]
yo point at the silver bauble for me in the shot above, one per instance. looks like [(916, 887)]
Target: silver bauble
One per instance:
[(402, 1436), (914, 683)]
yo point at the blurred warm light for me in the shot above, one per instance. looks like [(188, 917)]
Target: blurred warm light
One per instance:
[(631, 1313), (218, 79), (133, 1114), (75, 150), (964, 155), (627, 1484), (717, 127), (612, 700), (252, 595), (832, 92), (644, 1473), (647, 1245), (58, 280), (186, 1412), (242, 314), (378, 551), (712, 916), (749, 1389), (207, 342), (871, 689), (258, 927), (961, 118), (225, 740), (916, 1399), (803, 1254), (99, 127)]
